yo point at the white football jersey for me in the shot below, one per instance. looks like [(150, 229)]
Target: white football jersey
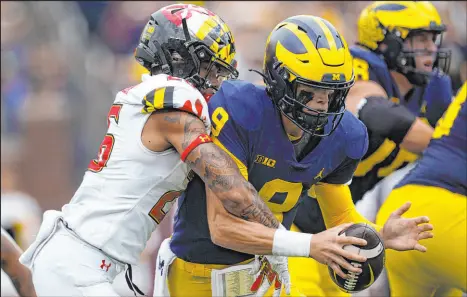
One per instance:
[(128, 189)]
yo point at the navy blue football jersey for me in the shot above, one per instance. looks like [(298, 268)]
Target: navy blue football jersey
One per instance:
[(247, 124), (384, 156), (444, 162)]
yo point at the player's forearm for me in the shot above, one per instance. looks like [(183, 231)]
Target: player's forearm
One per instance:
[(252, 238), (242, 236), (337, 206), (418, 137), (216, 168), (362, 89), (19, 274), (222, 176)]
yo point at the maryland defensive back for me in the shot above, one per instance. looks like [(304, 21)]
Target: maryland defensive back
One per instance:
[(157, 131)]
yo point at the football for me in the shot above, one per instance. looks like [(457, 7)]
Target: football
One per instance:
[(371, 269)]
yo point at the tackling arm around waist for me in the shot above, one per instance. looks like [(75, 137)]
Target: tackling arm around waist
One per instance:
[(244, 236)]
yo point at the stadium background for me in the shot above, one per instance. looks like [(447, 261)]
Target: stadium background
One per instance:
[(63, 62)]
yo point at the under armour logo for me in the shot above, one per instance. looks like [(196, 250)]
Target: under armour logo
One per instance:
[(204, 138), (106, 266), (161, 265)]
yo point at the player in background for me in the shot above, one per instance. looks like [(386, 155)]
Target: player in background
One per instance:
[(284, 138), (401, 89), (437, 187), (20, 217), (157, 131), (400, 92), (20, 213), (20, 276)]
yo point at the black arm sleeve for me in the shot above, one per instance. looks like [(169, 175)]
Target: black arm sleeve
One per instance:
[(386, 119), (343, 173)]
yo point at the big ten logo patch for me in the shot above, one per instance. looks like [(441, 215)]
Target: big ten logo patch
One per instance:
[(260, 159)]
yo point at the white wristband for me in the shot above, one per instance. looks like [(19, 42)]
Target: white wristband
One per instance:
[(360, 105), (291, 244)]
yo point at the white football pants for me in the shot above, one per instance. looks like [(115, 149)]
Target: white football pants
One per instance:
[(67, 266)]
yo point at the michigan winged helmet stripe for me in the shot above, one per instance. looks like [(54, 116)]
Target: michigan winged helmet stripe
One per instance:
[(316, 29), (311, 48), (306, 52)]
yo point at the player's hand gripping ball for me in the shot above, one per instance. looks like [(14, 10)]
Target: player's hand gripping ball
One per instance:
[(371, 269)]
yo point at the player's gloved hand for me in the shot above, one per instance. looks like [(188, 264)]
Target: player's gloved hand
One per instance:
[(438, 96), (270, 270), (327, 248)]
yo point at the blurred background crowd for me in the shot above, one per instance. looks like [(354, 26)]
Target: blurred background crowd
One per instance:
[(62, 64)]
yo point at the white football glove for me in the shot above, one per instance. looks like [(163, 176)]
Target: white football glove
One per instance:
[(270, 270)]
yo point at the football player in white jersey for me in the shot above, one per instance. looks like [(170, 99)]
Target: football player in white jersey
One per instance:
[(157, 131)]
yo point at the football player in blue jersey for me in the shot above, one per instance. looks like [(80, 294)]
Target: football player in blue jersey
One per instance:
[(285, 137), (437, 186), (399, 94), (401, 89)]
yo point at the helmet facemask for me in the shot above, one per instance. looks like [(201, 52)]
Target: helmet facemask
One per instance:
[(402, 60), (203, 57), (209, 67), (442, 59), (292, 102)]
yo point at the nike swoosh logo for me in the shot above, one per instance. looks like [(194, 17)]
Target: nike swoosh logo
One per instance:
[(372, 277)]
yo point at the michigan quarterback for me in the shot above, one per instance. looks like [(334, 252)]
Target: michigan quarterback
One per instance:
[(400, 90), (437, 187), (157, 131), (286, 137)]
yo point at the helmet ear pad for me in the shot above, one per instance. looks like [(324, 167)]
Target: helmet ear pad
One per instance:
[(278, 86), (394, 46), (402, 60)]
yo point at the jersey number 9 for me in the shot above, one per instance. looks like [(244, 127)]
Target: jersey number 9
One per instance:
[(219, 118)]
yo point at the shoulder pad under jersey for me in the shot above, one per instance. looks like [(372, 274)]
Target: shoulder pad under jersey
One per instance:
[(373, 59), (370, 66), (355, 134), (176, 93), (243, 101)]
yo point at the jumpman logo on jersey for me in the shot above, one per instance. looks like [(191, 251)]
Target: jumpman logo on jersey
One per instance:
[(320, 174), (106, 266), (161, 265)]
